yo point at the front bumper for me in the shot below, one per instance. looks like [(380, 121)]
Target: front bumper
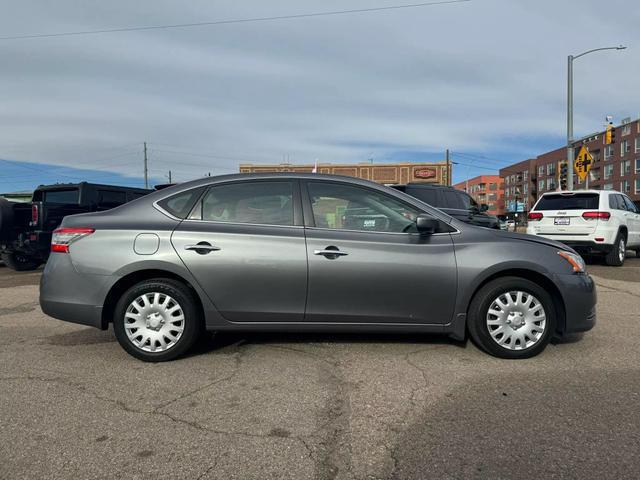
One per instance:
[(580, 298), (73, 297)]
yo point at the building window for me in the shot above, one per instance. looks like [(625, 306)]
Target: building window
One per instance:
[(625, 187), (638, 143), (607, 186), (525, 174), (626, 130), (551, 168), (551, 184), (608, 152), (506, 180), (638, 186), (540, 185), (624, 147), (493, 186), (637, 165), (608, 171), (525, 188), (625, 168), (541, 170)]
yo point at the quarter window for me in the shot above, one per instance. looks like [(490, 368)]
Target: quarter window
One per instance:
[(346, 207), (264, 203), (180, 204)]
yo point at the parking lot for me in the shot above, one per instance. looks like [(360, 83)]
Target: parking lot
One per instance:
[(73, 404)]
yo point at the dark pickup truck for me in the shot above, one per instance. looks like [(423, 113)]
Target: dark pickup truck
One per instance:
[(26, 228)]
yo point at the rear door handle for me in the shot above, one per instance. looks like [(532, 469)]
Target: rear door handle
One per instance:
[(202, 248), (337, 253)]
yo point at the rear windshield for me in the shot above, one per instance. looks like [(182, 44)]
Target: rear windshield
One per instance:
[(427, 195), (61, 196), (577, 201)]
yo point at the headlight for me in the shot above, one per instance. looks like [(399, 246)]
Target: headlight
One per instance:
[(576, 261)]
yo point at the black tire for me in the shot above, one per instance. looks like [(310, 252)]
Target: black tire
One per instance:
[(20, 262), (613, 257), (192, 324), (479, 307)]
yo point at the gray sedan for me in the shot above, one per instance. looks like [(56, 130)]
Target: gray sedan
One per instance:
[(307, 252)]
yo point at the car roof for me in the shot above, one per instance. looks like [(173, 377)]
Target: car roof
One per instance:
[(573, 192)]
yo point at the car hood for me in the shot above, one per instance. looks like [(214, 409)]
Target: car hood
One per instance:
[(534, 239)]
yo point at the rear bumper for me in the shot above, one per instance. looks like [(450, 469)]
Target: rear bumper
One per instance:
[(68, 295), (580, 298), (587, 247)]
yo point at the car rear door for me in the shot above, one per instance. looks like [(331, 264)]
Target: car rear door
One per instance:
[(563, 213), (244, 243), (633, 222), (373, 267)]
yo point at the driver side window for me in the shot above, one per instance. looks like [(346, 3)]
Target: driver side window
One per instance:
[(345, 207)]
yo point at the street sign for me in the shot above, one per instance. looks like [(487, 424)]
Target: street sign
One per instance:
[(582, 163)]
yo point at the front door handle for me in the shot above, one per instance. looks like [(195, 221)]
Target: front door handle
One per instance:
[(202, 248), (330, 252)]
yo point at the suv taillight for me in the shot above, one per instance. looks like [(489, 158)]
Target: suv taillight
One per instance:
[(34, 214), (535, 216), (596, 215), (63, 237)]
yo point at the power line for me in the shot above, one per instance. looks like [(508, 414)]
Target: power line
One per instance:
[(231, 21)]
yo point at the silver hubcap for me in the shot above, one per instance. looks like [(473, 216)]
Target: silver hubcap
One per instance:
[(621, 249), (154, 322), (516, 320)]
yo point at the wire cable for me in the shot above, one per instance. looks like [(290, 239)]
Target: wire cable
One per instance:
[(231, 21)]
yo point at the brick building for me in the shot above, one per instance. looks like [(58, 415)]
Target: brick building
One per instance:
[(386, 173), (616, 167), (487, 189)]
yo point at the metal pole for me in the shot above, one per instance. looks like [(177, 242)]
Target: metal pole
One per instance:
[(570, 122), (146, 180), (446, 154)]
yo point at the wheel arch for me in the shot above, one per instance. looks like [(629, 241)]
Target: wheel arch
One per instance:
[(534, 276), (131, 279)]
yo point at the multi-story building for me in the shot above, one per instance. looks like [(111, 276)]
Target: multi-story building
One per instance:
[(616, 167), (487, 189), (386, 173)]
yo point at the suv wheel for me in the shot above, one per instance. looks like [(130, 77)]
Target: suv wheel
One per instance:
[(616, 256), (20, 262), (511, 317), (157, 320)]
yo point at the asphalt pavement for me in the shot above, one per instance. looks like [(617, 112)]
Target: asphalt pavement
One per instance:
[(73, 404)]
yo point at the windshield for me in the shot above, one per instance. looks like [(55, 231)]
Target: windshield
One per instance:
[(577, 201)]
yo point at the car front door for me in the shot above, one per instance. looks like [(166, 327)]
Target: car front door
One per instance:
[(244, 243), (368, 264)]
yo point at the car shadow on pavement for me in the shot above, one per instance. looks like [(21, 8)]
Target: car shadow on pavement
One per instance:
[(215, 341)]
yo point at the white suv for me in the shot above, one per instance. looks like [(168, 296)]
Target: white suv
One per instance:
[(591, 221)]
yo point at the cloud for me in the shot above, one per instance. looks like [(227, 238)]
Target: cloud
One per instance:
[(485, 76)]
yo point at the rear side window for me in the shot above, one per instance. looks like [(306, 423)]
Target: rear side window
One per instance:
[(61, 196), (180, 204), (616, 202), (427, 195), (576, 201), (111, 198), (264, 203), (630, 205)]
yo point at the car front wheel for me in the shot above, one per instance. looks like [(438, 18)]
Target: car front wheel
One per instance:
[(157, 320), (512, 317)]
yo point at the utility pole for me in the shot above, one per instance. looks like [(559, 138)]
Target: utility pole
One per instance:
[(169, 176), (146, 171), (446, 156)]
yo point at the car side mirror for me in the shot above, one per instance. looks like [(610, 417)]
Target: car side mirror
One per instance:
[(427, 225), (484, 207)]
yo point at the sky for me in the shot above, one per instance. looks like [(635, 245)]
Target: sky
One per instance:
[(484, 78)]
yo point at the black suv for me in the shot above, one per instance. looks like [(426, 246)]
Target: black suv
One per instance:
[(25, 228), (453, 202)]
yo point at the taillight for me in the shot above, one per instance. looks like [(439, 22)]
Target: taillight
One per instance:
[(63, 237), (596, 215), (535, 216), (34, 214)]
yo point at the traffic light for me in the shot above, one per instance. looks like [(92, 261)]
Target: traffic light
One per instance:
[(610, 134), (564, 170)]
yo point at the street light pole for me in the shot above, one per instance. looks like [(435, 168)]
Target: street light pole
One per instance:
[(570, 152)]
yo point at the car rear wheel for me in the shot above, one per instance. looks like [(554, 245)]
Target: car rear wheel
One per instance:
[(512, 317), (616, 256), (19, 262), (157, 320)]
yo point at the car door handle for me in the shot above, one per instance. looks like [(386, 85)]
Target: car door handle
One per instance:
[(202, 248), (330, 253)]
